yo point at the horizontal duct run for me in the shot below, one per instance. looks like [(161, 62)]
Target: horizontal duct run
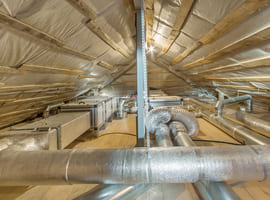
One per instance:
[(238, 132), (131, 166)]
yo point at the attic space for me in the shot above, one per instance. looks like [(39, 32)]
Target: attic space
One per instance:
[(134, 99)]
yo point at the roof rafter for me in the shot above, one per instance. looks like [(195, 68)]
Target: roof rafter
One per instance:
[(180, 75), (246, 9), (88, 12), (180, 18), (119, 74), (50, 40), (149, 18)]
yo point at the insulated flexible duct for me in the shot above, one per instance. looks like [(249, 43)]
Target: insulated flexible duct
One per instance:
[(165, 114), (189, 121), (112, 166)]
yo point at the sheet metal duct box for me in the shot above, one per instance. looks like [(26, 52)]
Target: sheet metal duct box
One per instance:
[(107, 101), (96, 110), (61, 129), (165, 101), (114, 104)]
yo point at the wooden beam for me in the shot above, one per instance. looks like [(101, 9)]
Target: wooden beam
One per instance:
[(149, 20), (33, 87), (249, 63), (95, 83), (241, 78), (176, 87), (105, 65), (240, 13), (90, 76), (239, 87), (169, 69), (105, 38), (48, 69), (180, 18), (83, 8), (8, 70), (88, 12), (50, 40), (17, 112), (119, 74), (232, 48), (26, 100)]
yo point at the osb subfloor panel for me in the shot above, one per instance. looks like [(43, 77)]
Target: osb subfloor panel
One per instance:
[(110, 139)]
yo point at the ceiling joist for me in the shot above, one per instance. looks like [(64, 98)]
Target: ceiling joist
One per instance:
[(246, 9)]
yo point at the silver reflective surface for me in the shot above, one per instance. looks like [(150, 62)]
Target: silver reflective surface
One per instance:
[(111, 166)]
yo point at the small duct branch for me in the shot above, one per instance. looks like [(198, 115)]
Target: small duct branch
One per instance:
[(221, 104), (238, 132), (131, 166)]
